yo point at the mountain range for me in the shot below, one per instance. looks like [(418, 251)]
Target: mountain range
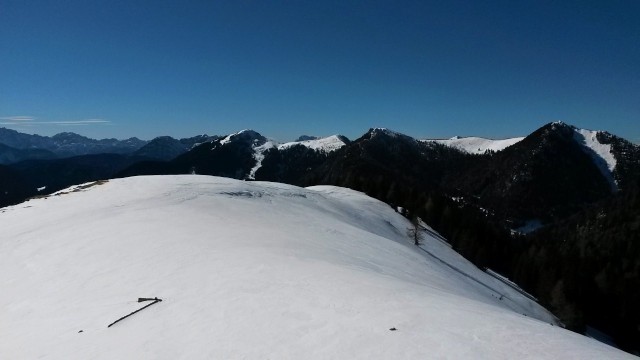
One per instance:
[(512, 205)]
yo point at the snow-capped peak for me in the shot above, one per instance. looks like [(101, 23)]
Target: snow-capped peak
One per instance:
[(385, 131), (246, 135), (258, 143)]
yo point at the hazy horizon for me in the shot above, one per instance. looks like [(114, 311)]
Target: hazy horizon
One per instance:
[(71, 130)]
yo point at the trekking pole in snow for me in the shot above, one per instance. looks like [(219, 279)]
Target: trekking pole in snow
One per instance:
[(155, 300), (147, 299)]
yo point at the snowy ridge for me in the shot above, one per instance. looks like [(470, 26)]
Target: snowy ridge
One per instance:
[(388, 132), (601, 153), (246, 133), (327, 144), (250, 270), (476, 145), (375, 132), (227, 139)]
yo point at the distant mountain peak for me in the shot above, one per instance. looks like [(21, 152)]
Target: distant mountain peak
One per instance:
[(560, 125), (306, 138), (67, 144), (257, 144), (163, 137), (595, 143), (162, 148), (246, 135), (385, 132)]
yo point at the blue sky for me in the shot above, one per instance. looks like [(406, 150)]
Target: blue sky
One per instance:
[(285, 68)]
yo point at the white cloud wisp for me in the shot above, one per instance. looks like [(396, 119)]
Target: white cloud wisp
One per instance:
[(31, 121)]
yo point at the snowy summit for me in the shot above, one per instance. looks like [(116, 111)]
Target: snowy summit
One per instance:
[(250, 270)]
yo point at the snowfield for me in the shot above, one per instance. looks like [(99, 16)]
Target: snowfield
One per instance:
[(600, 153), (250, 270), (327, 144), (476, 145)]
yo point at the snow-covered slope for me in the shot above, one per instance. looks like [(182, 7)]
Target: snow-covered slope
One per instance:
[(477, 145), (258, 154), (327, 144), (250, 270), (601, 153)]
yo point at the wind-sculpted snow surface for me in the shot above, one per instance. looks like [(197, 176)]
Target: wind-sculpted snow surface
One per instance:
[(250, 270)]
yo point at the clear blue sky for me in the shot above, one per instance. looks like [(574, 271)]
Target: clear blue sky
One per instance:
[(284, 68)]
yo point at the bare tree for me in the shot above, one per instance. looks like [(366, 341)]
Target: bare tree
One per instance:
[(414, 231)]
